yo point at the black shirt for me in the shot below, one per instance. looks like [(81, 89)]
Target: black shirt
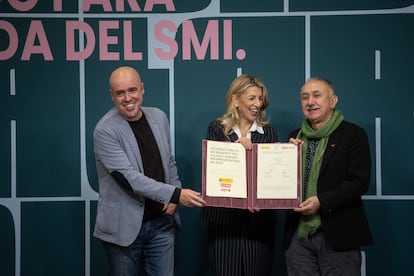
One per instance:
[(151, 160)]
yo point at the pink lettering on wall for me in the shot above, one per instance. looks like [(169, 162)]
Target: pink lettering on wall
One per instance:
[(128, 52), (105, 40), (133, 5), (114, 39), (36, 30), (227, 40), (210, 38), (72, 28), (13, 40), (166, 40), (23, 6)]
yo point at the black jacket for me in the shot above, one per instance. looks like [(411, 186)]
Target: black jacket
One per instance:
[(344, 177)]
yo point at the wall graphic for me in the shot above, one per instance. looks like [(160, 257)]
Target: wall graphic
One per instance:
[(56, 57)]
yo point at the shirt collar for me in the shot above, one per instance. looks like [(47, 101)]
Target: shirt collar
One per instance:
[(253, 128)]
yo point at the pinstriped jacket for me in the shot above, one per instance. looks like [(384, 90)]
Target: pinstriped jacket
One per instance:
[(232, 216)]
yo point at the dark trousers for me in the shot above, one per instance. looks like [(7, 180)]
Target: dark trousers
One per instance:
[(315, 257)]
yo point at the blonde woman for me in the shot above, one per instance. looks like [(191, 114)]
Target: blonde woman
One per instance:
[(241, 242)]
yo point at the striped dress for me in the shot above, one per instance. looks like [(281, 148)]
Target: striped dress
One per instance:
[(240, 243)]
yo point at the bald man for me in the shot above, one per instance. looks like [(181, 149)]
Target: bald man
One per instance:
[(139, 189)]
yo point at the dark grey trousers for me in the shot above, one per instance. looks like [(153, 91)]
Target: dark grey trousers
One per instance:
[(315, 257)]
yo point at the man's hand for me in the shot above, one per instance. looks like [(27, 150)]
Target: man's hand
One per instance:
[(309, 207), (190, 198), (295, 141), (169, 208)]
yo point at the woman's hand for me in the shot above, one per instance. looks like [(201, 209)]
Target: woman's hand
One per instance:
[(246, 142), (253, 210)]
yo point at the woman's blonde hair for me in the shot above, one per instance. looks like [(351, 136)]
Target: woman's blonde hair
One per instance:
[(237, 88)]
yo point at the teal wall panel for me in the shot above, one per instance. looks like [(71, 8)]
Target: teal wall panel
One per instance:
[(52, 238), (7, 241)]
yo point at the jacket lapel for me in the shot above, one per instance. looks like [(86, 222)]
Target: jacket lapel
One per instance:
[(333, 142)]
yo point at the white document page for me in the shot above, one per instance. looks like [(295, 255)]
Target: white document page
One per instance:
[(226, 170), (277, 171)]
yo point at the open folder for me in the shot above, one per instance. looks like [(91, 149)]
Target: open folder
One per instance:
[(267, 177)]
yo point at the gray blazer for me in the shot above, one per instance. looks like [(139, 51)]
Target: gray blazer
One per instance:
[(120, 211)]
